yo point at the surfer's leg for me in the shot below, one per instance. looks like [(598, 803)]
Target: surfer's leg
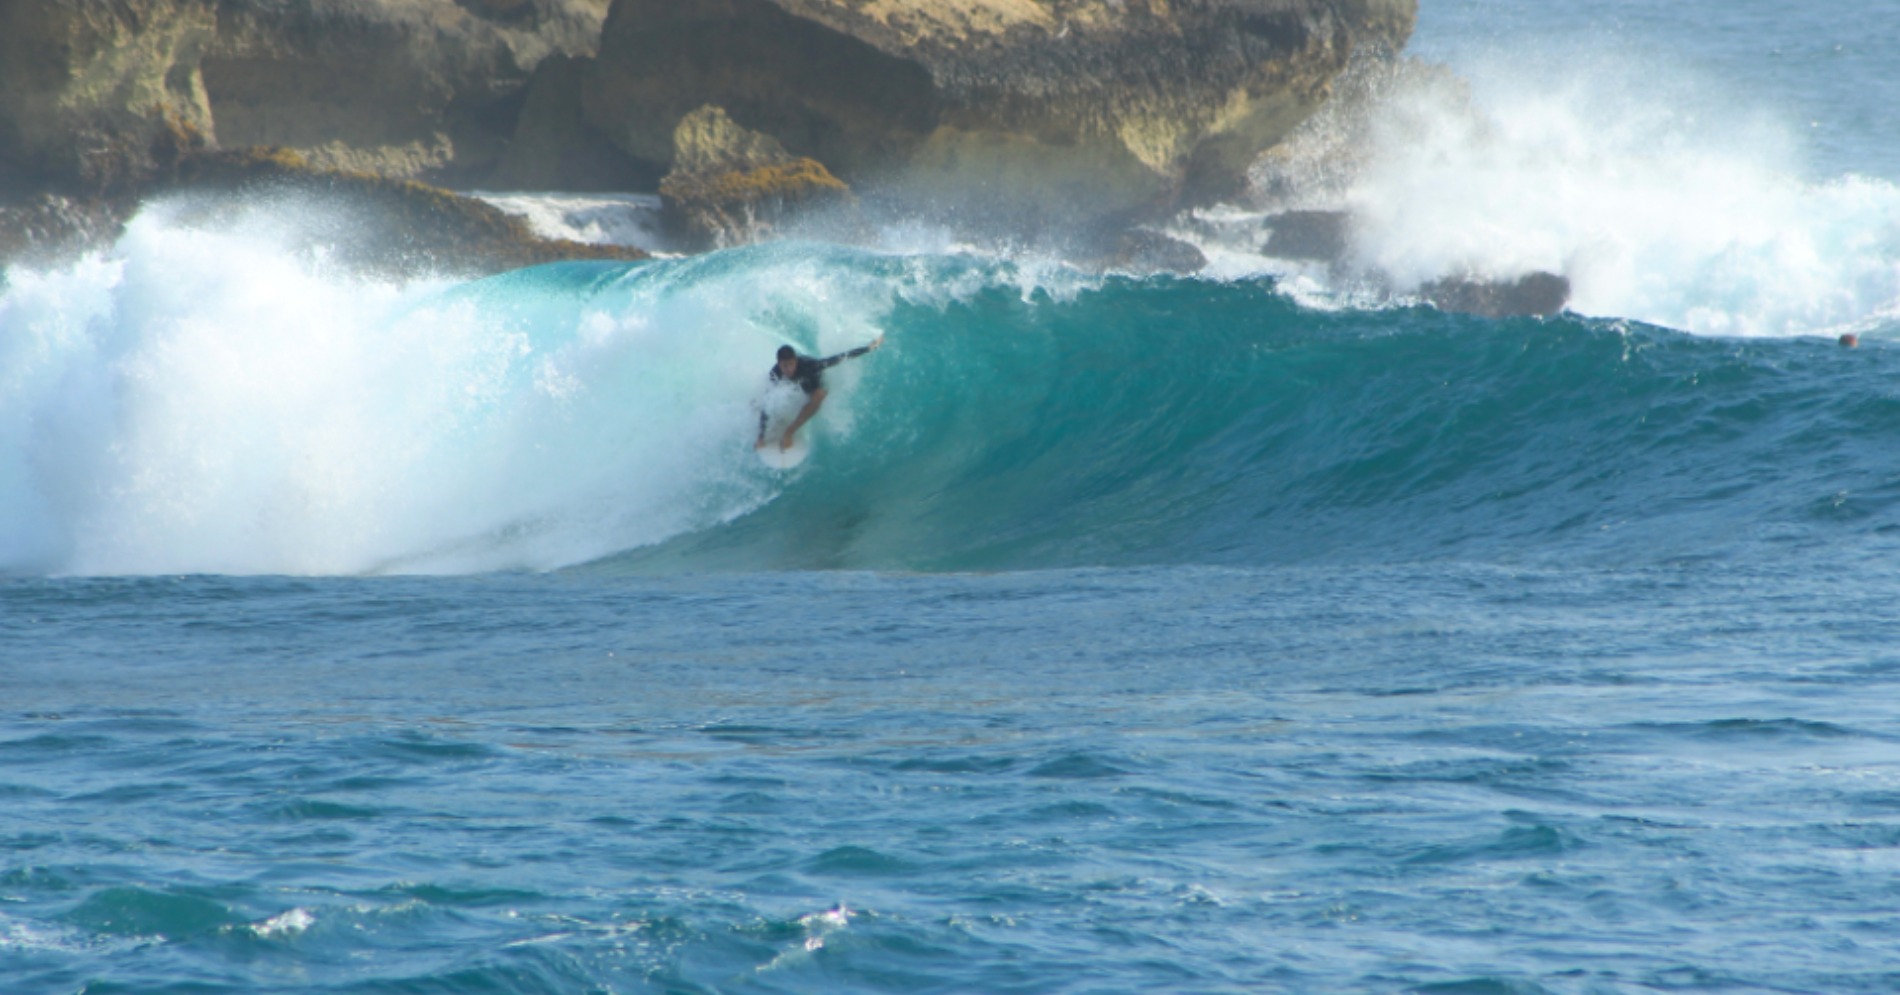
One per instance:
[(804, 415)]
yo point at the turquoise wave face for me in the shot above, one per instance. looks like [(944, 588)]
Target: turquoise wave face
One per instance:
[(202, 405), (1162, 421)]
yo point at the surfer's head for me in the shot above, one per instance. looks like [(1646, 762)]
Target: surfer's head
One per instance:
[(787, 360)]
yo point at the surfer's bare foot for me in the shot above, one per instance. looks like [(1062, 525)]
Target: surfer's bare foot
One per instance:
[(785, 443), (759, 444)]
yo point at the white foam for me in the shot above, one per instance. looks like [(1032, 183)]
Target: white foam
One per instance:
[(1658, 198), (1658, 203), (593, 219), (285, 924), (30, 937), (214, 401)]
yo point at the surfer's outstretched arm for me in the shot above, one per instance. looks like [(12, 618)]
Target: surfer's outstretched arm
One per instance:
[(853, 354), (806, 372)]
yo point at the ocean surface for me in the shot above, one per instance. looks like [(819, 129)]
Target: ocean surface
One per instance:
[(1267, 630)]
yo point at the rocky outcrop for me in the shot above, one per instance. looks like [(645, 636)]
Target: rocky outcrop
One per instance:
[(376, 225), (1064, 109), (391, 87), (1538, 294), (731, 185), (382, 225), (1325, 237)]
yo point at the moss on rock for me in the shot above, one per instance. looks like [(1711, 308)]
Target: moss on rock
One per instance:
[(733, 185)]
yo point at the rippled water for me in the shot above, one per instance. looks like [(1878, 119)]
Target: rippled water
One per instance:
[(1261, 632), (1453, 778)]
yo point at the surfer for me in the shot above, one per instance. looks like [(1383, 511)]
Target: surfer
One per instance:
[(809, 374)]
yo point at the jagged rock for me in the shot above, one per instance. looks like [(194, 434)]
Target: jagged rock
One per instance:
[(1539, 294), (731, 185), (1071, 109), (393, 87), (707, 141)]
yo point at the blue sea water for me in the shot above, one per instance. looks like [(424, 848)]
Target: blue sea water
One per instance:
[(1243, 633)]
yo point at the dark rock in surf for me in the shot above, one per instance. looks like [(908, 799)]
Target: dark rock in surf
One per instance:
[(1311, 236), (1326, 237), (1534, 294)]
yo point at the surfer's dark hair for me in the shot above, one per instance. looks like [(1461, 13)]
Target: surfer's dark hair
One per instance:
[(787, 352)]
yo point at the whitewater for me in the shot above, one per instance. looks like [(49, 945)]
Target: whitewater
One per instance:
[(1264, 629)]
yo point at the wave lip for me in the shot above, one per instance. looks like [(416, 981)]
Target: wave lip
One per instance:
[(1006, 435), (205, 402)]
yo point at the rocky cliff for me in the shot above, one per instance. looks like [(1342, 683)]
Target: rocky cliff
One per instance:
[(1124, 100), (86, 86), (1076, 115), (391, 87), (1073, 108)]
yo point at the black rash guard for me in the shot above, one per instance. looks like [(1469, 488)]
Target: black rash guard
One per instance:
[(810, 375)]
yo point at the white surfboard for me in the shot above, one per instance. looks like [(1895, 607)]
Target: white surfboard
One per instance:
[(784, 459), (781, 404)]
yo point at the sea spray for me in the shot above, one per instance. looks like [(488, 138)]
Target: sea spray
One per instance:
[(1658, 204), (214, 400), (1654, 194), (219, 399)]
